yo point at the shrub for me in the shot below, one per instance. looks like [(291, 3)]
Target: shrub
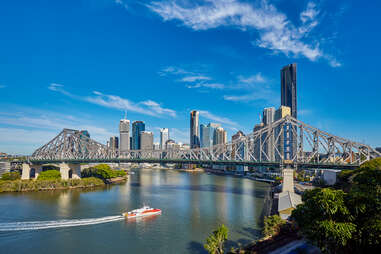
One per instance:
[(215, 242), (102, 171), (49, 175), (10, 176), (272, 225)]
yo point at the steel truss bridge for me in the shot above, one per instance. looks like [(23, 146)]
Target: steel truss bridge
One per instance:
[(287, 141)]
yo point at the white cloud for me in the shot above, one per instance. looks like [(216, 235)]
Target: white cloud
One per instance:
[(207, 85), (258, 92), (310, 13), (275, 31), (158, 109), (194, 78), (179, 135), (257, 78), (174, 71), (59, 88), (148, 107), (121, 3), (215, 118), (26, 131)]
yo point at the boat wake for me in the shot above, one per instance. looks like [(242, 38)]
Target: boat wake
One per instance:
[(36, 225)]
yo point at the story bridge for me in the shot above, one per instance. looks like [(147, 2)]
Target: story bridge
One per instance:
[(286, 143)]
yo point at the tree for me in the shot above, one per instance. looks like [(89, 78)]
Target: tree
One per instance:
[(325, 220), (272, 225), (364, 202), (215, 242), (346, 221)]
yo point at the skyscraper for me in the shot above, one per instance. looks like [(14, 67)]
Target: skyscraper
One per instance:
[(204, 136), (124, 136), (220, 136), (194, 131), (285, 142), (146, 140), (164, 136), (268, 115), (288, 88), (114, 143), (268, 138), (137, 127)]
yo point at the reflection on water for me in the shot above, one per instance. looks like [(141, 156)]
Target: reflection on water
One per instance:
[(192, 206)]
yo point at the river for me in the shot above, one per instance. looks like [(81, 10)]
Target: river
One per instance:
[(89, 221)]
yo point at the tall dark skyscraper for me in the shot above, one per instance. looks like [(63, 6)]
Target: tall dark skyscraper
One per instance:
[(194, 131), (288, 88), (137, 127)]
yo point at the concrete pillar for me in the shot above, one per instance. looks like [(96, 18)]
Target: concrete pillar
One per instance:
[(76, 169), (25, 171), (38, 170), (64, 170), (288, 180)]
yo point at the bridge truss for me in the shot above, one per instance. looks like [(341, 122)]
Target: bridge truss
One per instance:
[(286, 140)]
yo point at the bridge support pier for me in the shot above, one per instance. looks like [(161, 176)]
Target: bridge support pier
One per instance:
[(25, 175), (288, 180), (76, 171), (70, 171), (30, 170)]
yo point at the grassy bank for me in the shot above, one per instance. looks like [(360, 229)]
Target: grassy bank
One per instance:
[(54, 184)]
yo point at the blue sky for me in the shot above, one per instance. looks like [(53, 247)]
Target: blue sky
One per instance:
[(80, 63)]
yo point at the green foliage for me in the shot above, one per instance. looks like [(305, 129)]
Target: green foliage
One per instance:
[(102, 171), (215, 242), (278, 180), (374, 164), (325, 219), (30, 185), (49, 175), (50, 167), (345, 222), (10, 176), (272, 225)]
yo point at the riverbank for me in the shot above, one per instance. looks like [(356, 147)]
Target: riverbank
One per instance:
[(56, 184)]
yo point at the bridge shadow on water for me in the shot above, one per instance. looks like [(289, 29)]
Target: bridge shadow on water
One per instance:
[(207, 188)]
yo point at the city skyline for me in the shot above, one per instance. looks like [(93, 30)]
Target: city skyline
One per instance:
[(54, 75)]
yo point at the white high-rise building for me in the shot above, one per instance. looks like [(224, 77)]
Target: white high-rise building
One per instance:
[(124, 136), (164, 137)]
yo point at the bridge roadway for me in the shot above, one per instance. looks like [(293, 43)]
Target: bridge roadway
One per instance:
[(295, 165)]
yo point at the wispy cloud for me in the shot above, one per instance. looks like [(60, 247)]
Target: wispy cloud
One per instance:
[(148, 107), (276, 32), (28, 130), (121, 3), (173, 70), (2, 86), (179, 135), (192, 79), (256, 78), (256, 92), (59, 88), (206, 85), (219, 119)]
